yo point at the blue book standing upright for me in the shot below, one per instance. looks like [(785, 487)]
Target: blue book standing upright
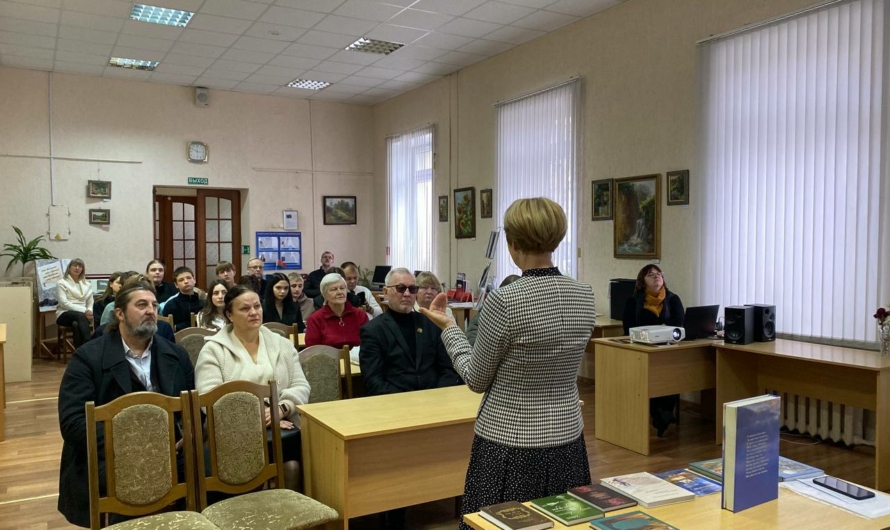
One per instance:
[(750, 452)]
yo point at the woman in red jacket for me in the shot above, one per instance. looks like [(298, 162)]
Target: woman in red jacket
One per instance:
[(337, 322)]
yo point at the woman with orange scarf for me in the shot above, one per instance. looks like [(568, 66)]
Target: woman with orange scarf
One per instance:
[(653, 304)]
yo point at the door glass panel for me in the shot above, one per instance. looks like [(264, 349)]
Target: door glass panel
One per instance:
[(177, 230), (211, 210), (190, 263), (177, 250), (189, 211), (177, 211), (178, 263), (210, 273), (157, 248), (225, 231), (212, 253), (189, 230), (225, 209), (225, 252), (189, 249), (212, 233)]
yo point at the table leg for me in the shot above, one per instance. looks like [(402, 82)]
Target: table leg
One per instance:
[(622, 397), (882, 436), (736, 379), (325, 469)]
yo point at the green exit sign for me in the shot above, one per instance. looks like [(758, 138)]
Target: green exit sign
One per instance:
[(198, 181), (245, 249)]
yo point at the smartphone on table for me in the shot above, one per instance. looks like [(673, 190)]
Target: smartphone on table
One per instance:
[(844, 488)]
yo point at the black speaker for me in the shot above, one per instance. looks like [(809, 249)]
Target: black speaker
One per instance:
[(739, 325), (764, 322), (620, 290)]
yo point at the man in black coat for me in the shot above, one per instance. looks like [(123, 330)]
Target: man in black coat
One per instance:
[(312, 287), (129, 357), (402, 350)]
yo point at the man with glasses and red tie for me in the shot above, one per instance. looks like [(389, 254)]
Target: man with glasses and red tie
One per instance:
[(402, 350)]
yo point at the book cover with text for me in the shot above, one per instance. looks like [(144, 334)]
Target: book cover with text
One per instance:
[(750, 452)]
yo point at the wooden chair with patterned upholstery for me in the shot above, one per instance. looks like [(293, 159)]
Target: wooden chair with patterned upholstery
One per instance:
[(322, 367), (240, 463), (282, 329), (168, 319), (193, 320), (192, 339), (141, 462)]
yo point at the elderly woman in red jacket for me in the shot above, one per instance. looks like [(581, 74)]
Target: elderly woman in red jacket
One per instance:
[(337, 323)]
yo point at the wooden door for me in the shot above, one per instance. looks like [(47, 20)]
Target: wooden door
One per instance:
[(219, 232), (175, 233)]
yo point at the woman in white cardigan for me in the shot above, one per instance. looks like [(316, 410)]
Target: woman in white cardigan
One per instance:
[(246, 351), (74, 294)]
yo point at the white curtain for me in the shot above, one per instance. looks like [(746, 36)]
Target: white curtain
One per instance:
[(537, 156), (409, 171), (791, 171)]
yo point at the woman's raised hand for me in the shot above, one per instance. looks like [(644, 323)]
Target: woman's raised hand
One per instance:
[(437, 313)]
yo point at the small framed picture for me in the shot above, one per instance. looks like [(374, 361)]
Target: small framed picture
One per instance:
[(602, 200), (291, 220), (99, 189), (443, 208), (485, 204), (339, 210), (678, 187), (465, 213), (100, 217)]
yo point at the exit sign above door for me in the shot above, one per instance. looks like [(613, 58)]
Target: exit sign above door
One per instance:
[(199, 181)]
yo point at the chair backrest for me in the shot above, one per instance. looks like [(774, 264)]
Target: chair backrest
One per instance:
[(140, 454), (282, 329), (194, 320), (321, 366), (192, 339), (236, 437), (168, 319)]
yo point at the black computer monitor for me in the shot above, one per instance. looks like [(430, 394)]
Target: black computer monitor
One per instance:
[(380, 272), (417, 273), (700, 321)]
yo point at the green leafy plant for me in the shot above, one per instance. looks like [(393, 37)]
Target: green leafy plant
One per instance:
[(364, 277), (24, 251)]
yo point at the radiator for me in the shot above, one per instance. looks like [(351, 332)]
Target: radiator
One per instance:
[(826, 420)]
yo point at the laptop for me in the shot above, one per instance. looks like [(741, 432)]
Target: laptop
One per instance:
[(700, 321)]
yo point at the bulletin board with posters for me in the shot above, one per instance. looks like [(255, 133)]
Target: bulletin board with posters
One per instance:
[(280, 250)]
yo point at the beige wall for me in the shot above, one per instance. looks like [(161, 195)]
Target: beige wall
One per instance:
[(638, 65), (285, 153)]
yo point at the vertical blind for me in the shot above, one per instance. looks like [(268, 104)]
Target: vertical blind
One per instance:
[(409, 172), (792, 171), (537, 156)]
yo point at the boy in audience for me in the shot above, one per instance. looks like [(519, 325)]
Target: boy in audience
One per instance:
[(186, 302), (225, 271)]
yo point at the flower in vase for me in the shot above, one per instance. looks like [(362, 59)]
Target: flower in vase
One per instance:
[(882, 315)]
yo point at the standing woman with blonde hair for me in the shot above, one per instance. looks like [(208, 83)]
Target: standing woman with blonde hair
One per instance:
[(529, 439), (74, 294)]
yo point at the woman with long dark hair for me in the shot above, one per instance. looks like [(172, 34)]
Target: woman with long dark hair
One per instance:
[(212, 315), (279, 305)]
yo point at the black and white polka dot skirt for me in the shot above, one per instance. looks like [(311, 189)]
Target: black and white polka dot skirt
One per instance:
[(498, 473)]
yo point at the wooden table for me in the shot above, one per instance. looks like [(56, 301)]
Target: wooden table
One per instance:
[(368, 455), (604, 328), (2, 383), (790, 511), (628, 375), (860, 378)]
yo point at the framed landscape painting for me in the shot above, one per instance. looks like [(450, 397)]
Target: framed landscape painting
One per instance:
[(637, 217), (100, 217), (465, 213), (602, 199), (99, 189), (485, 207), (339, 210), (443, 208), (678, 187)]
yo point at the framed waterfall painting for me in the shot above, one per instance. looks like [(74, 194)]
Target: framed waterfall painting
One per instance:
[(638, 217)]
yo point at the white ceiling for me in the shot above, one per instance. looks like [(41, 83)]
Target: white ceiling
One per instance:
[(261, 45)]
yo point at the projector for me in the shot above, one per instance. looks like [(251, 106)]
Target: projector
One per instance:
[(657, 334)]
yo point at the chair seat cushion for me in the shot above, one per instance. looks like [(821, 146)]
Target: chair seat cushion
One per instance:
[(275, 509), (167, 521)]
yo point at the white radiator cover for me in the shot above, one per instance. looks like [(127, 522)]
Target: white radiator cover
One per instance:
[(827, 420)]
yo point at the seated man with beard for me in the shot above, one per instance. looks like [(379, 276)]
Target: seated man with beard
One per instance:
[(128, 357)]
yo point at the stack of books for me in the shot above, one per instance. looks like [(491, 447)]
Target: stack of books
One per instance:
[(648, 490), (788, 469)]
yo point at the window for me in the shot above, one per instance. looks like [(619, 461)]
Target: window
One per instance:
[(409, 171), (538, 153), (791, 171)]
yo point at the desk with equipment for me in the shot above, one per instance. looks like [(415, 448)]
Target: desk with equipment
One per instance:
[(369, 455)]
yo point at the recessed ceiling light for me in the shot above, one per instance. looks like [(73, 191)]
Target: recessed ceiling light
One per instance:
[(308, 84), (382, 47), (160, 15), (135, 64)]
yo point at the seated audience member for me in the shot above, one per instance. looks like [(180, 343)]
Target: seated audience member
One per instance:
[(319, 300), (133, 278), (473, 327), (279, 305), (130, 357), (246, 351), (313, 281), (212, 316), (254, 277), (307, 305), (114, 285), (74, 294), (188, 301), (225, 271), (402, 351), (337, 323), (107, 314), (428, 287), (653, 304), (364, 298), (155, 272)]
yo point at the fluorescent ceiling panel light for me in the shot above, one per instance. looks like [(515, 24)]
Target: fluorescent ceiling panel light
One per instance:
[(160, 15), (308, 84), (367, 45), (135, 64)]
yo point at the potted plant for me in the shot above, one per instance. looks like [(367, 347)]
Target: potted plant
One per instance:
[(24, 251), (364, 277)]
